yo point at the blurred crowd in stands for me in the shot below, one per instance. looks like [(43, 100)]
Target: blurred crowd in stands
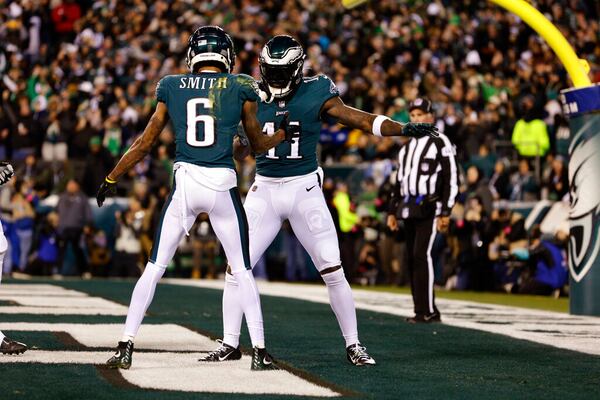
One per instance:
[(77, 82)]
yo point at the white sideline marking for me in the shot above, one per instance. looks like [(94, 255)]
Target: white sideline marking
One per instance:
[(39, 290), (577, 333), (59, 311), (150, 337), (166, 370), (155, 371), (183, 372), (55, 300)]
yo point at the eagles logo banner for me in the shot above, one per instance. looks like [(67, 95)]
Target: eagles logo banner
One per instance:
[(582, 106)]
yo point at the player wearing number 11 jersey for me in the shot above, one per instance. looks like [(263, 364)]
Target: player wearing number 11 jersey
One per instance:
[(205, 107), (288, 183)]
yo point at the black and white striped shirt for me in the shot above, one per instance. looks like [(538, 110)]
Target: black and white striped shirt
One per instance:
[(427, 167)]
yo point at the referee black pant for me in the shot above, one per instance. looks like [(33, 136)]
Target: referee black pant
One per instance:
[(420, 234)]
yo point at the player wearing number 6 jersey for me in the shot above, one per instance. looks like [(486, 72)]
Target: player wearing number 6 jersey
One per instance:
[(288, 183), (205, 107)]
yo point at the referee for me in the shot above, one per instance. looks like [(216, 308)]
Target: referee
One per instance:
[(423, 196)]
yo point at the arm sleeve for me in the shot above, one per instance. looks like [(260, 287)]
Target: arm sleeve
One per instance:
[(449, 173), (161, 90), (249, 90)]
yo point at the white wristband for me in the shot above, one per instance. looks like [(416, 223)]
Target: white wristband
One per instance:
[(377, 124)]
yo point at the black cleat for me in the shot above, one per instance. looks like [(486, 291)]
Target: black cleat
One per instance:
[(11, 347), (225, 352), (123, 356), (425, 318), (262, 360), (357, 355)]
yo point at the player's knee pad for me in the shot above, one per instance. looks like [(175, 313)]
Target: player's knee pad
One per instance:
[(154, 271), (334, 278), (3, 245), (326, 253)]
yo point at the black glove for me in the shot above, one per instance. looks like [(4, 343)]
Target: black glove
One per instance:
[(290, 130), (419, 129), (6, 172), (107, 187)]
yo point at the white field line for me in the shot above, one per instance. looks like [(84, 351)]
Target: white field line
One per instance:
[(175, 367), (183, 372), (577, 333), (54, 300)]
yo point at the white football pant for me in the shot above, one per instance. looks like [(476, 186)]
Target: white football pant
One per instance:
[(191, 196), (300, 200)]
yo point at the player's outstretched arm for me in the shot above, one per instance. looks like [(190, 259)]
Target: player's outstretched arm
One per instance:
[(143, 144), (138, 150), (260, 143), (379, 125)]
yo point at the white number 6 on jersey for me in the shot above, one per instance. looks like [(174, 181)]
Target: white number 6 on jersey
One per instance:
[(192, 121)]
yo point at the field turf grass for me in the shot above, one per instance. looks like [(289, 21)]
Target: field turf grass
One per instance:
[(414, 362)]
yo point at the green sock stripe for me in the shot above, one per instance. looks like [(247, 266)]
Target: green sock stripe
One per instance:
[(242, 224)]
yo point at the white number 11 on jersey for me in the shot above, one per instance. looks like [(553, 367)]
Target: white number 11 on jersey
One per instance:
[(269, 129)]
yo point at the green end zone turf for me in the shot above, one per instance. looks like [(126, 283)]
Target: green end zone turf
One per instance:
[(423, 361)]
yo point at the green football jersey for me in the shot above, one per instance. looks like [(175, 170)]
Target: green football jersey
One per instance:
[(300, 156), (205, 110)]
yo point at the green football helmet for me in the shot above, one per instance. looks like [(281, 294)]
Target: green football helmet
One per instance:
[(210, 45), (281, 61)]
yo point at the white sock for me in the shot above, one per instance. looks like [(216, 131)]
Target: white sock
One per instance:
[(232, 312), (141, 298), (127, 338), (249, 300), (342, 304)]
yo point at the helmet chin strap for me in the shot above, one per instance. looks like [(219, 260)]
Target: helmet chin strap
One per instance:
[(280, 92)]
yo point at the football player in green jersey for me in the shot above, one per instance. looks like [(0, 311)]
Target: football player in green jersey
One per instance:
[(288, 182), (205, 107)]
